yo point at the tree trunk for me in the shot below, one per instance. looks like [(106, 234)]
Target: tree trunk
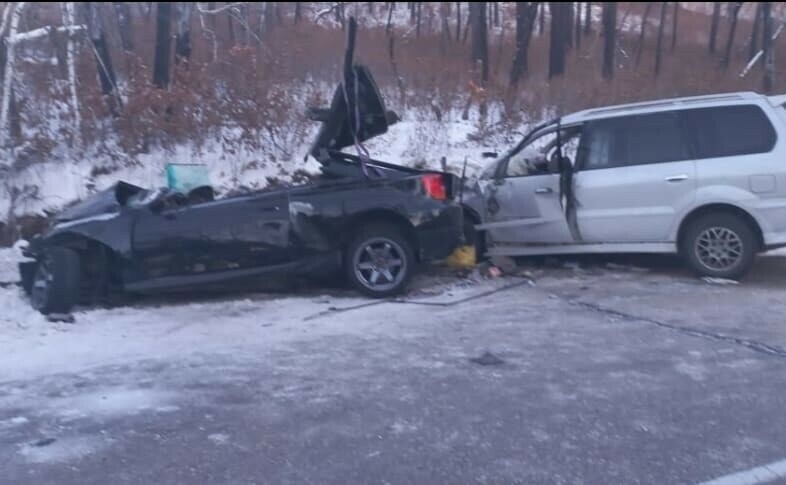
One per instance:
[(418, 17), (480, 50), (8, 78), (557, 45), (659, 46), (675, 13), (123, 14), (541, 18), (609, 38), (569, 24), (297, 13), (714, 26), (496, 14), (445, 38), (270, 17), (769, 54), (183, 33), (754, 42), (161, 71), (587, 17), (577, 31), (526, 12), (458, 21), (465, 35), (106, 72), (735, 12), (68, 19), (640, 44)]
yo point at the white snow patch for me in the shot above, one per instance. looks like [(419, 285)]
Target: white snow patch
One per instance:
[(15, 421), (219, 438), (697, 372), (110, 402), (61, 450)]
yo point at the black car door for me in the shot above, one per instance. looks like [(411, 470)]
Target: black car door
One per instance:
[(223, 235)]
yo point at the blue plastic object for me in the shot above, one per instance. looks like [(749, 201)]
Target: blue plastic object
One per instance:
[(183, 177)]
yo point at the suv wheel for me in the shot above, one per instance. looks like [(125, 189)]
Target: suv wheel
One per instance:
[(55, 285), (720, 245), (379, 261)]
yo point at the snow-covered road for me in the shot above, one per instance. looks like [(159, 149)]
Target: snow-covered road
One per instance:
[(609, 374)]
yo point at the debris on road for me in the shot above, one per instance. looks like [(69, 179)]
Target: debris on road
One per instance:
[(505, 263), (487, 359), (61, 318), (719, 281)]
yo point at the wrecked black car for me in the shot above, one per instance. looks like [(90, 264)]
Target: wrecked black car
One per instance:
[(374, 220)]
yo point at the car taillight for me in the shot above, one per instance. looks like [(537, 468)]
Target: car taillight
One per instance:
[(435, 186)]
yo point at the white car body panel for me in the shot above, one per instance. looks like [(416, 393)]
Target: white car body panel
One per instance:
[(640, 208)]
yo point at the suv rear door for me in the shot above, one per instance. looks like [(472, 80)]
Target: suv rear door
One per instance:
[(635, 176)]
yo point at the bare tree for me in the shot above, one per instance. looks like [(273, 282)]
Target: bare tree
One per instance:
[(542, 18), (444, 13), (526, 12), (298, 15), (558, 42), (10, 72), (714, 26), (767, 46), (418, 17), (577, 33), (642, 31), (674, 14), (659, 46), (754, 42), (106, 71), (496, 13), (569, 24), (480, 49), (458, 21), (587, 17), (183, 33), (609, 38), (734, 8), (69, 20), (161, 71), (123, 14)]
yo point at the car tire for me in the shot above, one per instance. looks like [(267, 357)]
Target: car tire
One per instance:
[(379, 261), (55, 286), (720, 245)]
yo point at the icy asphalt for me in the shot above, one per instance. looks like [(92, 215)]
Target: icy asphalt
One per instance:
[(608, 374)]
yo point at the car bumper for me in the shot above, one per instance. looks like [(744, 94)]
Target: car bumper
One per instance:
[(438, 237)]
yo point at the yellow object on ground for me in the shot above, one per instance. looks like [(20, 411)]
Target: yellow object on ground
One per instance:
[(462, 257)]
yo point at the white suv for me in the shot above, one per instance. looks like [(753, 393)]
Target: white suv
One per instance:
[(703, 176)]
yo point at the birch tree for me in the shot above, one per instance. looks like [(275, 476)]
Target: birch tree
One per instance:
[(8, 75), (68, 20)]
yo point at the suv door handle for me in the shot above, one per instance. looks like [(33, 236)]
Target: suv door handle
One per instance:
[(676, 178), (543, 190)]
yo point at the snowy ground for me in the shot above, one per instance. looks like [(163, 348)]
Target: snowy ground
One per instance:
[(619, 371)]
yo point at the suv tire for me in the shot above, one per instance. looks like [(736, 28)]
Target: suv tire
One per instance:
[(719, 245)]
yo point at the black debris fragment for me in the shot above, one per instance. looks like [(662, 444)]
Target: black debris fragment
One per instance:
[(487, 359), (44, 442)]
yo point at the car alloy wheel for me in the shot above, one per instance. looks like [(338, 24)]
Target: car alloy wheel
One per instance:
[(380, 264), (719, 248)]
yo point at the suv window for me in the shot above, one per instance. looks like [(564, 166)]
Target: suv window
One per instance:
[(727, 131), (533, 159), (633, 140)]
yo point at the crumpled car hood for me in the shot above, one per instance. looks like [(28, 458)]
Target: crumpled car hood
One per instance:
[(105, 202)]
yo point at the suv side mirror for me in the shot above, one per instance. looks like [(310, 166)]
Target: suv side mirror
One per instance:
[(490, 154)]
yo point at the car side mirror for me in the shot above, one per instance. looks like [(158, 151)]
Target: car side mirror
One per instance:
[(489, 154)]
